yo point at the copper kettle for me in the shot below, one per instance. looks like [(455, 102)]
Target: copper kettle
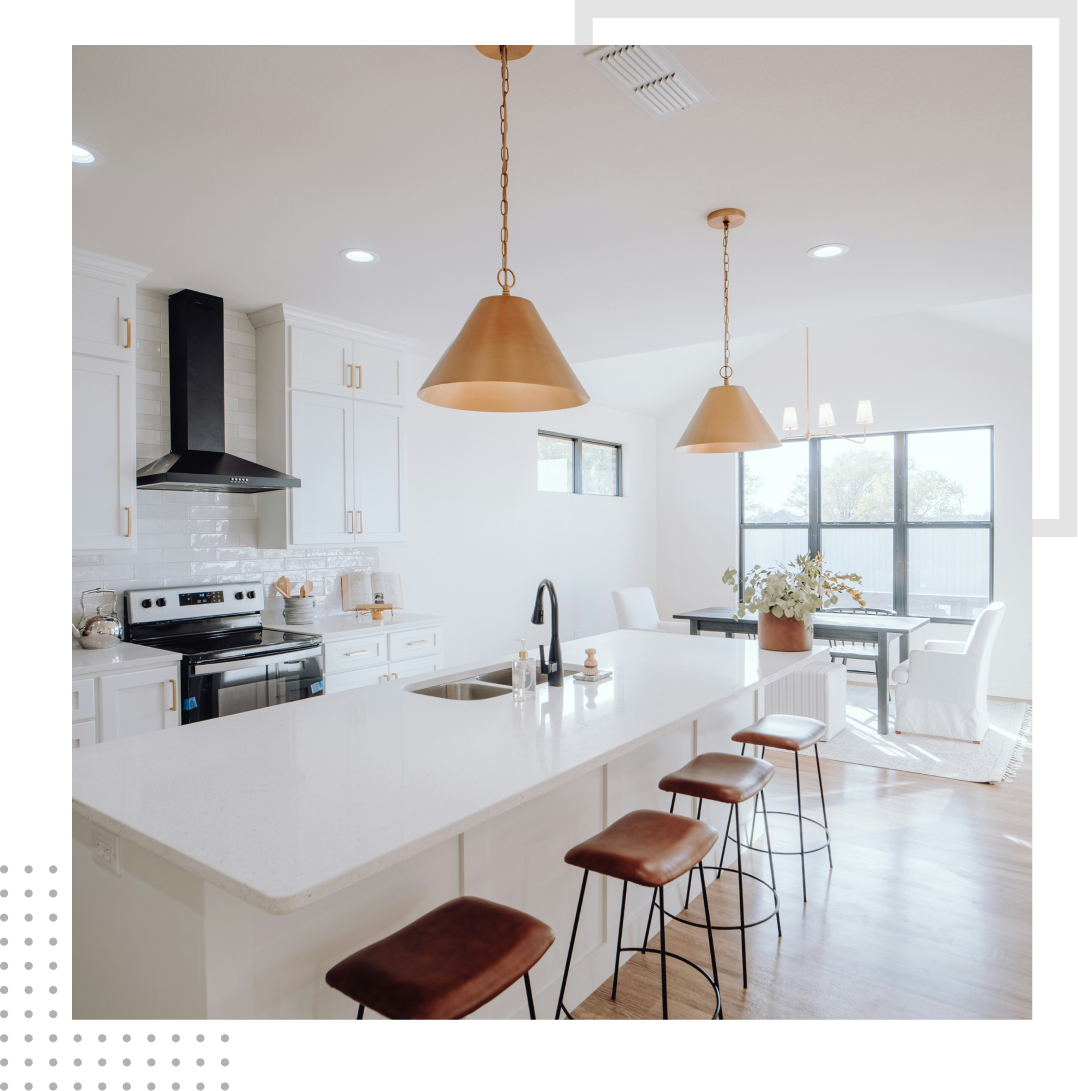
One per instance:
[(104, 629)]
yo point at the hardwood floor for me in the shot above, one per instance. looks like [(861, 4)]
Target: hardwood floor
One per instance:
[(927, 913)]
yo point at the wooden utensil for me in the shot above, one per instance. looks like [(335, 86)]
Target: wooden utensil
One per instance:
[(284, 585), (307, 589)]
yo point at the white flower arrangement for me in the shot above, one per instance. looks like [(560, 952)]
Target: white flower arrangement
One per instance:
[(796, 590)]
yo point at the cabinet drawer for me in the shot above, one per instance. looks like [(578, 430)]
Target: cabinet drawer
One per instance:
[(83, 734), (414, 643), (410, 668), (350, 655), (346, 680), (82, 699)]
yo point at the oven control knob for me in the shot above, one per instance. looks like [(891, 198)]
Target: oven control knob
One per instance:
[(239, 594), (146, 604), (160, 602), (250, 594)]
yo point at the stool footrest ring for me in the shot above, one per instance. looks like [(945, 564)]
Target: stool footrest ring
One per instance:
[(731, 927), (783, 852)]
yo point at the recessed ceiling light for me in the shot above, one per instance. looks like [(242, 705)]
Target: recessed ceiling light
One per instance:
[(83, 153), (828, 250), (362, 256)]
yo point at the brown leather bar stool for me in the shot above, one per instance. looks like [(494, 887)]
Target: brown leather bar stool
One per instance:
[(725, 778), (651, 849), (794, 733), (447, 964)]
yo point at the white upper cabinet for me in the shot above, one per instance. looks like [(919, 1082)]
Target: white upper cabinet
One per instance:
[(379, 373), (331, 412), (379, 445), (102, 454), (323, 458), (103, 305), (321, 361), (103, 464)]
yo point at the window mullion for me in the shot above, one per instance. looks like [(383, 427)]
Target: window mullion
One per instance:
[(814, 498), (901, 547)]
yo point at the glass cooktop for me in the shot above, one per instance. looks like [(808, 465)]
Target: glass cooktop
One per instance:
[(208, 645)]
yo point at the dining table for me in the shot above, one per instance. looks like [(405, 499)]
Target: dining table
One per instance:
[(866, 628)]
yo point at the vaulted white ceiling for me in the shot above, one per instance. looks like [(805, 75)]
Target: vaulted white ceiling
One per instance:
[(242, 171)]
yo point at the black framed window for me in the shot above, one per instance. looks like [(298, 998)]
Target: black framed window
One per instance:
[(577, 465), (909, 512)]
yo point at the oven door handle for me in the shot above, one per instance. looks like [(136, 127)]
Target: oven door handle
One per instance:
[(219, 666)]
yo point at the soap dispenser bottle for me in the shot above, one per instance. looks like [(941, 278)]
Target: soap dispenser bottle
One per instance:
[(523, 674)]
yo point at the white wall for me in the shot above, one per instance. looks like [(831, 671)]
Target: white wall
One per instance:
[(920, 371), (481, 535)]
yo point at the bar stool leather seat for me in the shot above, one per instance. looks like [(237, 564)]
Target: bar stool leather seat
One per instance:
[(723, 778), (445, 965), (782, 732), (649, 848)]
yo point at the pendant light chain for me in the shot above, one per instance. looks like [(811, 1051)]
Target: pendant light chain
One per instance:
[(726, 371), (506, 272)]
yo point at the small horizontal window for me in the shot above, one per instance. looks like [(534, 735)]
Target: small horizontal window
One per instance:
[(573, 464)]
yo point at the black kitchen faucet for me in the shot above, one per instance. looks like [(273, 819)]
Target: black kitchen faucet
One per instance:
[(553, 668)]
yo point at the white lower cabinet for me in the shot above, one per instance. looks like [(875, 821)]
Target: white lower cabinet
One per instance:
[(83, 734), (356, 661), (140, 701)]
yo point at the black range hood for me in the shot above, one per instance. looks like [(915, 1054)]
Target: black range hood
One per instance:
[(196, 381)]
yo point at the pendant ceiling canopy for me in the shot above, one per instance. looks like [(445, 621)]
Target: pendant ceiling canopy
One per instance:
[(504, 359), (727, 419)]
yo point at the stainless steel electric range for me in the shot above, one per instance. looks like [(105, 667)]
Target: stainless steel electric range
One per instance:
[(230, 663)]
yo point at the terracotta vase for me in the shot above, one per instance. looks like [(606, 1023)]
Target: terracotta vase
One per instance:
[(783, 634)]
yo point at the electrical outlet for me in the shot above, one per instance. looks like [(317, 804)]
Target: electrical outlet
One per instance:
[(106, 849)]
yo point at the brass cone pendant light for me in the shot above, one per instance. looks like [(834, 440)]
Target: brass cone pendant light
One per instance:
[(504, 359), (727, 419)]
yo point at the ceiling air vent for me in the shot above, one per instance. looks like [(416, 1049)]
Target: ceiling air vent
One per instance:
[(651, 76)]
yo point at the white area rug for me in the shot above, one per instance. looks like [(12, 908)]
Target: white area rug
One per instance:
[(996, 759)]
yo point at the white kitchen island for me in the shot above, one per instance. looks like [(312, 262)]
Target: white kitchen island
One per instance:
[(259, 849)]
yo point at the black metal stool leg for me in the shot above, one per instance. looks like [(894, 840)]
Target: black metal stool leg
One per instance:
[(771, 864), (617, 956), (800, 825), (752, 832), (827, 832), (662, 946), (710, 937), (528, 989), (569, 956), (722, 853), (741, 903), (359, 1014), (688, 886)]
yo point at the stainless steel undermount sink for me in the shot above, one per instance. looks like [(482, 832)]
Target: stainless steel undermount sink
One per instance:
[(495, 682), (463, 691)]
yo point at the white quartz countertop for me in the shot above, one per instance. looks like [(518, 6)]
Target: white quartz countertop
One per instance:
[(87, 662), (340, 626), (282, 806)]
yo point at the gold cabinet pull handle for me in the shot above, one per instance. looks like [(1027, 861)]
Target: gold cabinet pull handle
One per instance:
[(360, 514), (362, 651), (413, 643), (350, 375), (359, 376), (395, 676), (351, 524), (173, 681), (128, 321)]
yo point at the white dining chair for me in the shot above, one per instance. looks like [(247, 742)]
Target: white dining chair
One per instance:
[(635, 607), (943, 690)]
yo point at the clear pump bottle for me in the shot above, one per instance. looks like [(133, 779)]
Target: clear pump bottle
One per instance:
[(523, 674)]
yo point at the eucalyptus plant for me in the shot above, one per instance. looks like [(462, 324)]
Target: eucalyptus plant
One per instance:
[(794, 590)]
